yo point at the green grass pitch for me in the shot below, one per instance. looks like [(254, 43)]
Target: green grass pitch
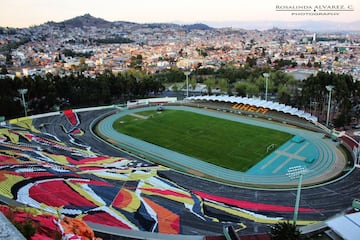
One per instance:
[(226, 143)]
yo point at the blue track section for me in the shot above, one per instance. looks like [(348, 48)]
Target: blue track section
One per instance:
[(314, 152), (290, 154)]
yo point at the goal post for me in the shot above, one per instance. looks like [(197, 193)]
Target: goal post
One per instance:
[(270, 147)]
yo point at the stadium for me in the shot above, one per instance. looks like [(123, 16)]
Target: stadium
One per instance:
[(74, 163)]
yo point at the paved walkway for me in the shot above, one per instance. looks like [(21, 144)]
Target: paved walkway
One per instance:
[(329, 164)]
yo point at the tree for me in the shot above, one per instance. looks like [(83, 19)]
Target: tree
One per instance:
[(268, 61), (223, 85), (345, 93), (210, 84), (252, 89), (284, 230), (282, 63), (317, 64), (136, 61), (284, 94), (3, 70), (240, 88), (69, 53), (192, 82), (175, 87), (279, 78), (251, 61), (170, 75), (8, 60)]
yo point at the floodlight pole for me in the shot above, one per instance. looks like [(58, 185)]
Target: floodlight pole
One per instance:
[(297, 202), (266, 76), (329, 88), (297, 172), (22, 92), (187, 73)]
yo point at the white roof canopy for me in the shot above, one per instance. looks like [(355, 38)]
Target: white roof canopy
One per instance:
[(258, 103), (347, 226)]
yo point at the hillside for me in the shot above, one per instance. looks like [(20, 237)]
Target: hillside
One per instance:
[(85, 21)]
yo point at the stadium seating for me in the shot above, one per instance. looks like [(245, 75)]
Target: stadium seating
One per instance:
[(258, 103)]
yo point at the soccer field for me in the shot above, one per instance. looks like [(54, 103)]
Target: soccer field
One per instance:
[(226, 143)]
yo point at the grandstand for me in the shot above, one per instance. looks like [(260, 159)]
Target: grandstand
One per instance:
[(257, 108)]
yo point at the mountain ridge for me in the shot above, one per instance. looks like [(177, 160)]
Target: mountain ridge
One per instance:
[(88, 20)]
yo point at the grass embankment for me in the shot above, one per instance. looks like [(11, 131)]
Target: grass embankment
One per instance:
[(226, 143)]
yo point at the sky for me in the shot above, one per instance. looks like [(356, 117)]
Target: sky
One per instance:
[(223, 13)]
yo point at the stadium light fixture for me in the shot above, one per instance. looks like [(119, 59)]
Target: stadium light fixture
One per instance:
[(296, 172), (266, 76), (22, 92), (187, 73), (329, 88)]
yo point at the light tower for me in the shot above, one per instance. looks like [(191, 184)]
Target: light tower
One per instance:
[(296, 172), (22, 92), (187, 73), (266, 76), (329, 88)]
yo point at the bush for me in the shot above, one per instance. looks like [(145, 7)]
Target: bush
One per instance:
[(284, 230)]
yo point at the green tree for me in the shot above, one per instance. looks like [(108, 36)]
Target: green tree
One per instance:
[(284, 94), (170, 75), (192, 82), (281, 63), (284, 230), (252, 89), (241, 88), (136, 62), (278, 79), (223, 85), (344, 95), (210, 84), (251, 61), (175, 87)]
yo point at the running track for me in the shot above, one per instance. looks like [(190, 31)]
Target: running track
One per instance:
[(328, 165)]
